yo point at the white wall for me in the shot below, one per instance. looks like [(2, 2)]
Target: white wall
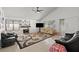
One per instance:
[(1, 23), (1, 20), (71, 16), (33, 26)]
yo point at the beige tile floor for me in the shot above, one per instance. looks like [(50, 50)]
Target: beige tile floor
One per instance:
[(39, 47)]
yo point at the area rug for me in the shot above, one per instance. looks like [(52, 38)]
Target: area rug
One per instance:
[(30, 39)]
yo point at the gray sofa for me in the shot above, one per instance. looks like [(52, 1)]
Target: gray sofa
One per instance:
[(8, 39), (71, 44)]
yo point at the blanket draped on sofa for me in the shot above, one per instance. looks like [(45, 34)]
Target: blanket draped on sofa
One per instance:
[(57, 48)]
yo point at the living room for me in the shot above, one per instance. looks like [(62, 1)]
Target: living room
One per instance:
[(35, 29)]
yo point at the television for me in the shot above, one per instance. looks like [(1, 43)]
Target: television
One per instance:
[(39, 24)]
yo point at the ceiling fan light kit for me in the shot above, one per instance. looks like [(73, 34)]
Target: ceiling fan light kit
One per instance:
[(38, 12)]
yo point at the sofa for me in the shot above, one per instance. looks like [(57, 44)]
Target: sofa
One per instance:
[(49, 30), (70, 42), (8, 39)]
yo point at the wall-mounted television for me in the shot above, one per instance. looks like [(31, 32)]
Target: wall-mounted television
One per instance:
[(39, 24)]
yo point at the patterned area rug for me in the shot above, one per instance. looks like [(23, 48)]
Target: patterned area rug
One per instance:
[(30, 39)]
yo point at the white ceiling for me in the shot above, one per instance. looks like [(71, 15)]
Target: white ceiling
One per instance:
[(26, 12)]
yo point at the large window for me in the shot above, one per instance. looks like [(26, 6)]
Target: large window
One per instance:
[(9, 27), (12, 25)]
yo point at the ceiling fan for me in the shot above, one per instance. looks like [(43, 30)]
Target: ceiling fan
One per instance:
[(37, 10)]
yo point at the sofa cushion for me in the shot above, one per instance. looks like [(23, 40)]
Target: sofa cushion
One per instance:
[(68, 36)]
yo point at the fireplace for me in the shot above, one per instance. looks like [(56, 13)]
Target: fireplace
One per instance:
[(25, 31)]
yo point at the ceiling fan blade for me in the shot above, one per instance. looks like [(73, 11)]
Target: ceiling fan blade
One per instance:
[(33, 10)]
